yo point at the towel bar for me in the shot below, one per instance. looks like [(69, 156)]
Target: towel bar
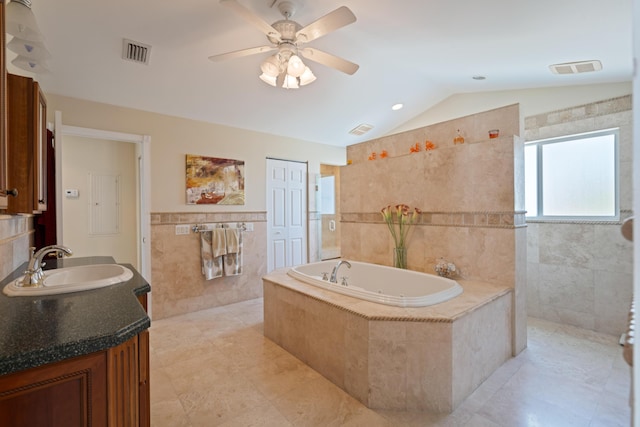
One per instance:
[(199, 228)]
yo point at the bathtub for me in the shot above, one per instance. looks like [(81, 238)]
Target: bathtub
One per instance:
[(380, 284)]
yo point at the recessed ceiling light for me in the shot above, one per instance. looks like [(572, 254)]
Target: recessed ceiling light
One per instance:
[(479, 78), (396, 107)]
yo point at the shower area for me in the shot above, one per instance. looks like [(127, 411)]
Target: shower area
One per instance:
[(329, 209)]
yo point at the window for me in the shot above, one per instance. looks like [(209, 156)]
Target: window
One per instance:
[(573, 177), (328, 195)]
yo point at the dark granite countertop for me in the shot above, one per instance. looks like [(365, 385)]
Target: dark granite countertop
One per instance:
[(42, 329)]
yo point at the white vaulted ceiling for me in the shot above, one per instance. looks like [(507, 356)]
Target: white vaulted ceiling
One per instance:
[(417, 52)]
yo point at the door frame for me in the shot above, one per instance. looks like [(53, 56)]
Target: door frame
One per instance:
[(143, 154)]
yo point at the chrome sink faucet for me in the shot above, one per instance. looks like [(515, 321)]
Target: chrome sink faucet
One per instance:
[(334, 273), (33, 276)]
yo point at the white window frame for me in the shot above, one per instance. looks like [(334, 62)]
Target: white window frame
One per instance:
[(574, 137)]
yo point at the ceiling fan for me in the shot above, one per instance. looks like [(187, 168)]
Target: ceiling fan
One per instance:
[(285, 68)]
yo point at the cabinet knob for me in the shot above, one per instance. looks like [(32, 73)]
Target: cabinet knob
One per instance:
[(13, 192)]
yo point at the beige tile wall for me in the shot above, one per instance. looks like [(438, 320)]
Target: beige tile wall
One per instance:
[(178, 285), (581, 273), (427, 358), (16, 236), (471, 195)]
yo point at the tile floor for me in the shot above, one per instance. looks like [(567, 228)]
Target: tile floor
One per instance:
[(215, 368)]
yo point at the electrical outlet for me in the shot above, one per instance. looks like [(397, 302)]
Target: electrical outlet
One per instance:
[(182, 229)]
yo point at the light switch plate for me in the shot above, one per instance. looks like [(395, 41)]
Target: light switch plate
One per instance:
[(182, 229)]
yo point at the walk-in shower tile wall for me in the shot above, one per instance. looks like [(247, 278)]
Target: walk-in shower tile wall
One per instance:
[(581, 273)]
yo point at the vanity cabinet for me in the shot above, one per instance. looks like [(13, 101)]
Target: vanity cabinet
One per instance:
[(78, 358), (26, 145), (105, 388)]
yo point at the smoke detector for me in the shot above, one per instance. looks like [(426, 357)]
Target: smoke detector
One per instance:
[(576, 67)]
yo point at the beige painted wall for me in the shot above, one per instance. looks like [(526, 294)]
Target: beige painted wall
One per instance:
[(106, 158), (173, 137)]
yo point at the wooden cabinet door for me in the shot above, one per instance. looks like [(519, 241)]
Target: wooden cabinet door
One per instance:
[(106, 388), (40, 147), (71, 393), (145, 386), (3, 112), (26, 145), (20, 148), (124, 384)]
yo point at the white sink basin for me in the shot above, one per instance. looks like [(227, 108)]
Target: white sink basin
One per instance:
[(72, 279)]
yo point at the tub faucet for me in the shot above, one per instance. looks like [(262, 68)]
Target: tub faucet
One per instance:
[(334, 273), (33, 276)]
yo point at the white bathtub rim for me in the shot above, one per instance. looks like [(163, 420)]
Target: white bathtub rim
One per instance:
[(411, 302)]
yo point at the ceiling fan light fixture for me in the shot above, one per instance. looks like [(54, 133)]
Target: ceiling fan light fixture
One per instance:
[(295, 66), (286, 68), (307, 77), (28, 49), (31, 65), (268, 79), (271, 66), (290, 82), (21, 22)]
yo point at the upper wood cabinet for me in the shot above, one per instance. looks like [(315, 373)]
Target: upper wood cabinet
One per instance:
[(40, 123), (26, 145), (3, 112)]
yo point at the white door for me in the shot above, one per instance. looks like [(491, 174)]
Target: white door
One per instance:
[(286, 214)]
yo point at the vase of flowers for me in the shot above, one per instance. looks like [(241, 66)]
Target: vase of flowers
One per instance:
[(399, 223), (400, 257)]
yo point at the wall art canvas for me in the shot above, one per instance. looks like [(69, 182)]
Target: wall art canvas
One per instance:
[(214, 181)]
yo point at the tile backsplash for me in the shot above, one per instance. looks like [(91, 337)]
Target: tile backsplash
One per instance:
[(16, 236)]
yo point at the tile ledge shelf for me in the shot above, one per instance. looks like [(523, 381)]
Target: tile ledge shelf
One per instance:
[(483, 219)]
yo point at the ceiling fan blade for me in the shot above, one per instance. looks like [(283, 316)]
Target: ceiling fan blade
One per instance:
[(339, 18), (251, 18), (329, 60), (241, 53)]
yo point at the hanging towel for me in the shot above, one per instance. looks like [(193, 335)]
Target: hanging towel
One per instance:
[(232, 237), (218, 242), (212, 266), (233, 258)]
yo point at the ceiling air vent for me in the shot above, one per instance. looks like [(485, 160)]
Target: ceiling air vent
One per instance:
[(361, 129), (135, 51), (576, 67)]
